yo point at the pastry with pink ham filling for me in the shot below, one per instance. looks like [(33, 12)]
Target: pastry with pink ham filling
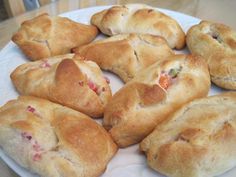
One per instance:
[(75, 83), (152, 95), (52, 140)]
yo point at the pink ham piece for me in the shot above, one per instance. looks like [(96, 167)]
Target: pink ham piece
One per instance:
[(45, 64), (37, 157), (30, 109), (26, 136), (93, 86)]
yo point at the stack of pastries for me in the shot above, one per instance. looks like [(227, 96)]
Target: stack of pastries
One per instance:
[(163, 105)]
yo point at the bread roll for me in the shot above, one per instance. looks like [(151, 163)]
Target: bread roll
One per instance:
[(197, 141), (217, 44), (53, 140), (75, 83), (152, 95), (126, 54), (139, 18), (45, 36)]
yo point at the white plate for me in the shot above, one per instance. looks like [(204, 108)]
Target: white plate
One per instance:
[(128, 162)]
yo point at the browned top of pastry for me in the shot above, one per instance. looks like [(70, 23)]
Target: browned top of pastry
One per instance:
[(139, 18), (45, 36)]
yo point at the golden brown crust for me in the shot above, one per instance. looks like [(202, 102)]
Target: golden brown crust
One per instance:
[(52, 140), (217, 44), (75, 83), (45, 36), (145, 101), (126, 54), (197, 140), (139, 18)]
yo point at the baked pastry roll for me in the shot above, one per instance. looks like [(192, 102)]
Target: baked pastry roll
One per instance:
[(217, 44), (152, 95), (52, 140), (126, 54), (139, 18), (198, 140), (75, 83), (45, 36)]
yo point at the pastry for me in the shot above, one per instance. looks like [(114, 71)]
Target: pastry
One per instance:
[(217, 44), (139, 18), (45, 36), (152, 95), (198, 140), (75, 83), (52, 140), (126, 54)]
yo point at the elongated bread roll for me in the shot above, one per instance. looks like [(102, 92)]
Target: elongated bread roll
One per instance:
[(52, 140), (217, 44), (153, 95), (75, 83), (198, 140), (139, 18), (126, 54), (45, 36)]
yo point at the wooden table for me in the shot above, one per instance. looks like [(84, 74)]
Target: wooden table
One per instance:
[(216, 10)]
